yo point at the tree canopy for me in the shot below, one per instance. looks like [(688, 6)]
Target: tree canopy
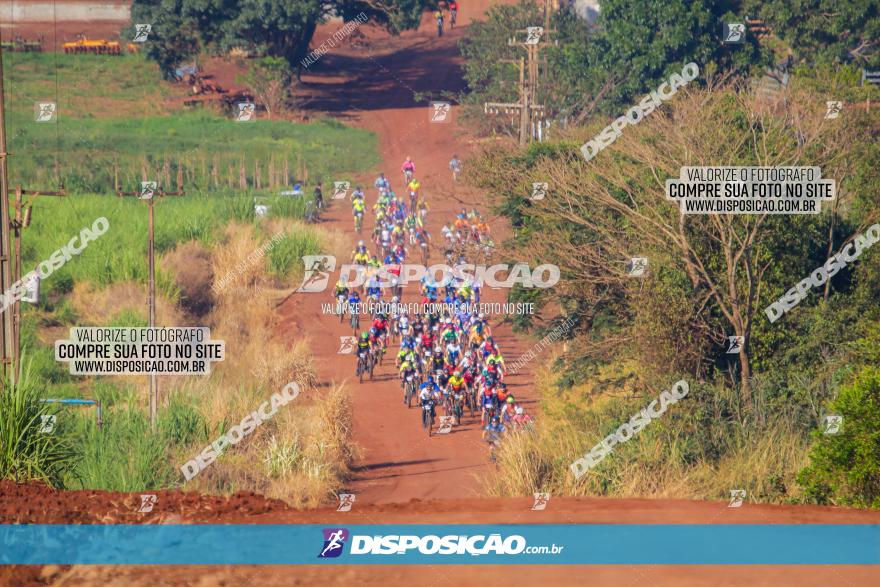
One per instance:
[(279, 28)]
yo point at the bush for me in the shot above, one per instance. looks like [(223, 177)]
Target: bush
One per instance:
[(845, 467), (27, 453)]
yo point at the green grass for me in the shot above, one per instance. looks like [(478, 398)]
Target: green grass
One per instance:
[(115, 111), (121, 253), (126, 455)]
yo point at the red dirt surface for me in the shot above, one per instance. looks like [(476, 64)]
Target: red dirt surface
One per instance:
[(405, 477)]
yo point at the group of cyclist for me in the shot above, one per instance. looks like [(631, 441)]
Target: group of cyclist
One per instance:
[(452, 5), (447, 357)]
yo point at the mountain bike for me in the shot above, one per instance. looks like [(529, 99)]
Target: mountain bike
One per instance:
[(458, 408), (410, 389), (362, 365), (428, 416), (355, 321), (424, 247), (358, 221), (373, 359), (407, 176), (340, 307)]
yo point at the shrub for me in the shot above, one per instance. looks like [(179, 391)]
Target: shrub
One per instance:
[(845, 467)]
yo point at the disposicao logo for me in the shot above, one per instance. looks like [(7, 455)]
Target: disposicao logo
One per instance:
[(334, 540)]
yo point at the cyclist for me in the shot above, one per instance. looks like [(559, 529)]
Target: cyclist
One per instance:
[(413, 187), (506, 408), (453, 13), (487, 404), (408, 168), (454, 163), (407, 370), (380, 323), (376, 340), (439, 16), (357, 210), (492, 433), (456, 382), (374, 288), (319, 198), (381, 182), (428, 391), (453, 352), (363, 345), (340, 292)]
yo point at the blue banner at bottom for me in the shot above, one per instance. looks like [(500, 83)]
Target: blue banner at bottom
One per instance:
[(413, 544)]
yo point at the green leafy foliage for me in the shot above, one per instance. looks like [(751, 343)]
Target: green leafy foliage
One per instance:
[(845, 467)]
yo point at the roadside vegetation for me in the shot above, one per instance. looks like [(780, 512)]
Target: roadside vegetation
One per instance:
[(753, 420), (134, 123)]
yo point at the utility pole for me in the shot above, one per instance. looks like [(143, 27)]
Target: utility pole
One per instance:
[(530, 112), (18, 223), (150, 193), (6, 333)]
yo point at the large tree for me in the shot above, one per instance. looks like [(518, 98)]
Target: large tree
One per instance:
[(825, 31), (280, 28)]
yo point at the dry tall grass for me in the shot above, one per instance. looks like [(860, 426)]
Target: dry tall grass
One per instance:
[(764, 462), (302, 454)]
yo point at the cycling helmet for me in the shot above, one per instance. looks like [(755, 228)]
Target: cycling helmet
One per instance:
[(456, 373), (510, 400), (395, 299), (430, 379), (374, 331), (437, 349), (496, 420), (364, 336)]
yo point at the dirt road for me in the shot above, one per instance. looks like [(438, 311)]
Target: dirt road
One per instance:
[(376, 89), (404, 477)]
